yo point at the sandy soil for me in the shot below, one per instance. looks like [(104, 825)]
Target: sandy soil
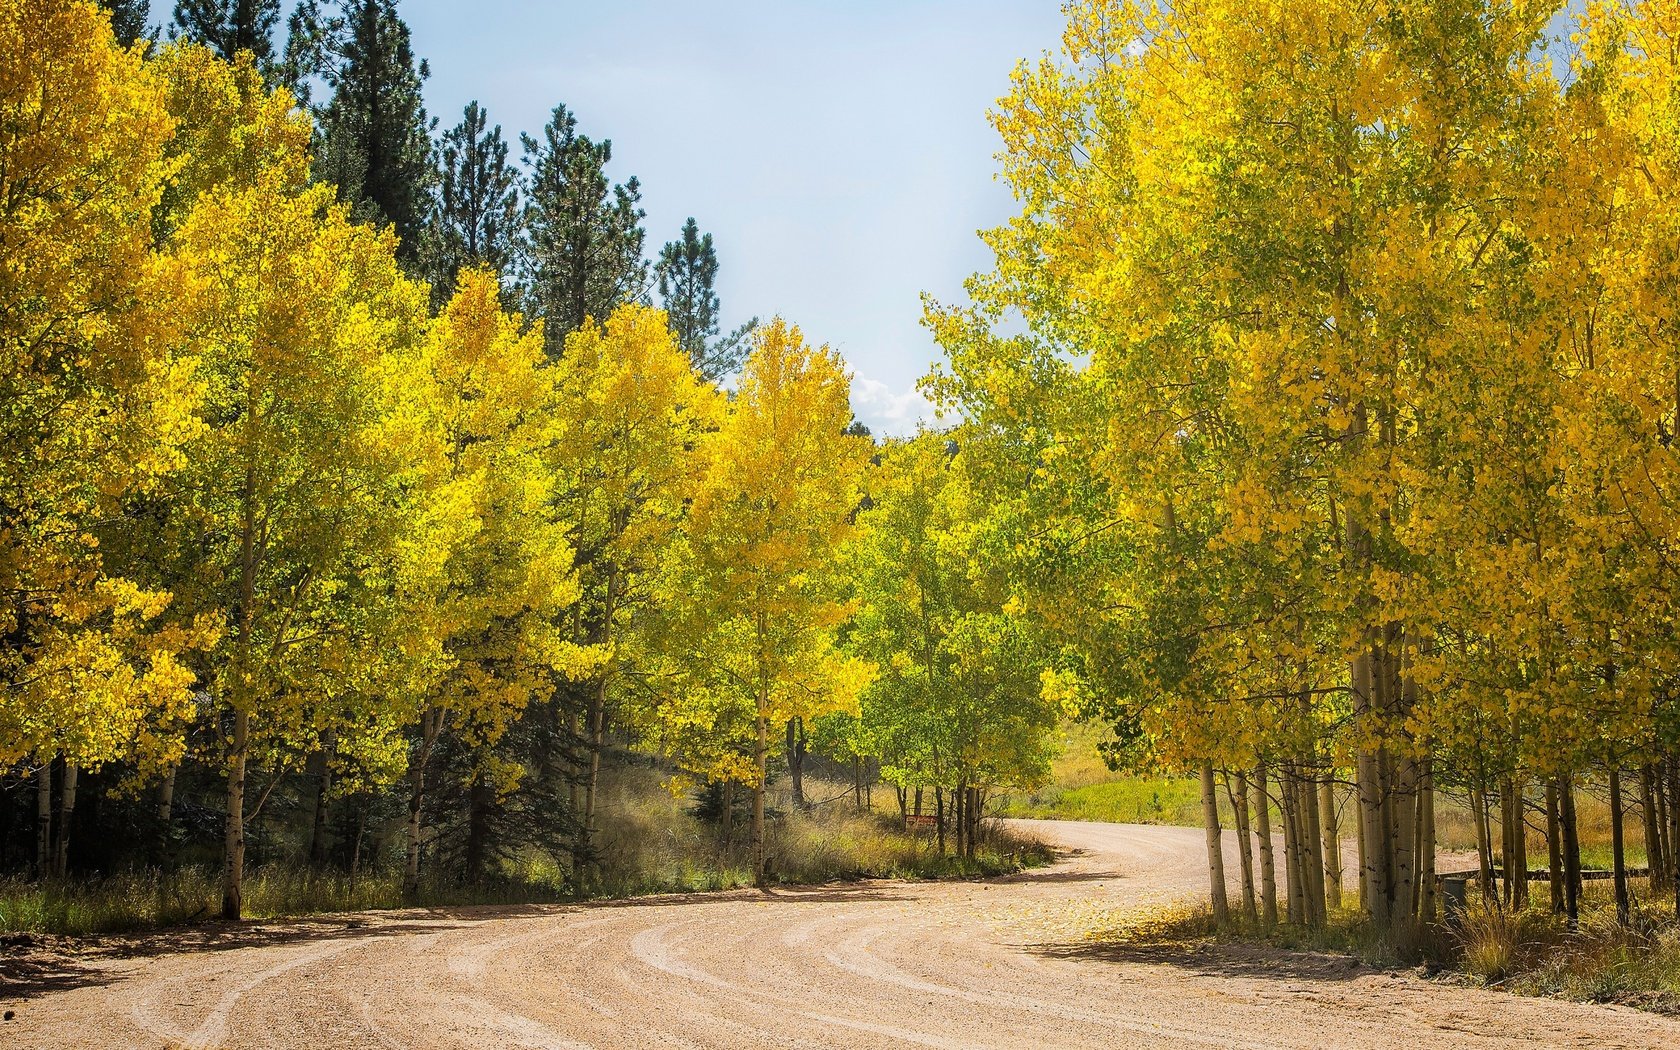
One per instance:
[(881, 964)]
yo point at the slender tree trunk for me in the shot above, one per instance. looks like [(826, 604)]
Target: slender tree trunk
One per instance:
[(939, 816), (1263, 832), (1314, 849), (1554, 848), (761, 753), (1332, 842), (1648, 820), (431, 723), (66, 811), (166, 816), (1571, 851), (1426, 843), (597, 746), (1507, 851), (44, 819), (918, 802), (1402, 806), (1673, 765), (1216, 854), (796, 760), (479, 800), (1245, 847), (901, 795), (1484, 845), (1668, 818), (318, 830), (233, 845), (1374, 876), (727, 793), (1618, 847), (1294, 849), (1516, 867)]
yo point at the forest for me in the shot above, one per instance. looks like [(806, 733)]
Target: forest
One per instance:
[(1314, 433), (359, 501), (1338, 450)]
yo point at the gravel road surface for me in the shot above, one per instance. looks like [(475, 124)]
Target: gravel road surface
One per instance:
[(881, 964)]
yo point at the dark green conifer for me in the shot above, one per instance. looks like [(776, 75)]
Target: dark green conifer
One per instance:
[(128, 18), (584, 236), (476, 215), (229, 26), (687, 274)]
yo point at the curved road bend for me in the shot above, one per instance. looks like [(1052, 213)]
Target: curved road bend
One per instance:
[(879, 964)]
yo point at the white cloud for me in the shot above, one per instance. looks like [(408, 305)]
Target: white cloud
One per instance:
[(888, 412)]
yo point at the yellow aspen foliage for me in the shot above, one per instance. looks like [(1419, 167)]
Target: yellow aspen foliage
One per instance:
[(91, 408), (288, 516), (756, 586), (631, 418), (489, 560), (230, 130)]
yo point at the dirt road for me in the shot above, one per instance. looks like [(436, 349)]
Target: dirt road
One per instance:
[(884, 964)]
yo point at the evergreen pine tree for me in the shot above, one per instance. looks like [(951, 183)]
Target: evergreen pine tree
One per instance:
[(584, 236), (229, 26), (375, 140), (476, 216), (128, 18), (687, 273)]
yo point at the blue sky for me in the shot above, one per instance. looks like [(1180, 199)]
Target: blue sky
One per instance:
[(839, 153)]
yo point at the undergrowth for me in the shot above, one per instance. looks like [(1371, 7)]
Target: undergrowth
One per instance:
[(1528, 951), (650, 845)]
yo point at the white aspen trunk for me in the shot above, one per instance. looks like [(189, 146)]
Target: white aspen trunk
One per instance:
[(761, 750), (1484, 844), (1332, 847), (43, 820), (1294, 884), (166, 797), (233, 843), (1312, 852), (431, 723), (66, 810), (1554, 848), (1404, 807), (1263, 833), (1373, 886), (1648, 819), (1216, 855), (1426, 843), (1245, 847)]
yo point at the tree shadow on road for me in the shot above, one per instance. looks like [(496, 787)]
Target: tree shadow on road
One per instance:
[(34, 966), (27, 977), (1212, 958)]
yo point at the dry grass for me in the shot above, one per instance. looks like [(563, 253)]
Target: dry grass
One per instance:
[(1534, 952), (1528, 952), (649, 844)]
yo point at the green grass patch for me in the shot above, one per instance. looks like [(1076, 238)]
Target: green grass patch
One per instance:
[(1131, 800)]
